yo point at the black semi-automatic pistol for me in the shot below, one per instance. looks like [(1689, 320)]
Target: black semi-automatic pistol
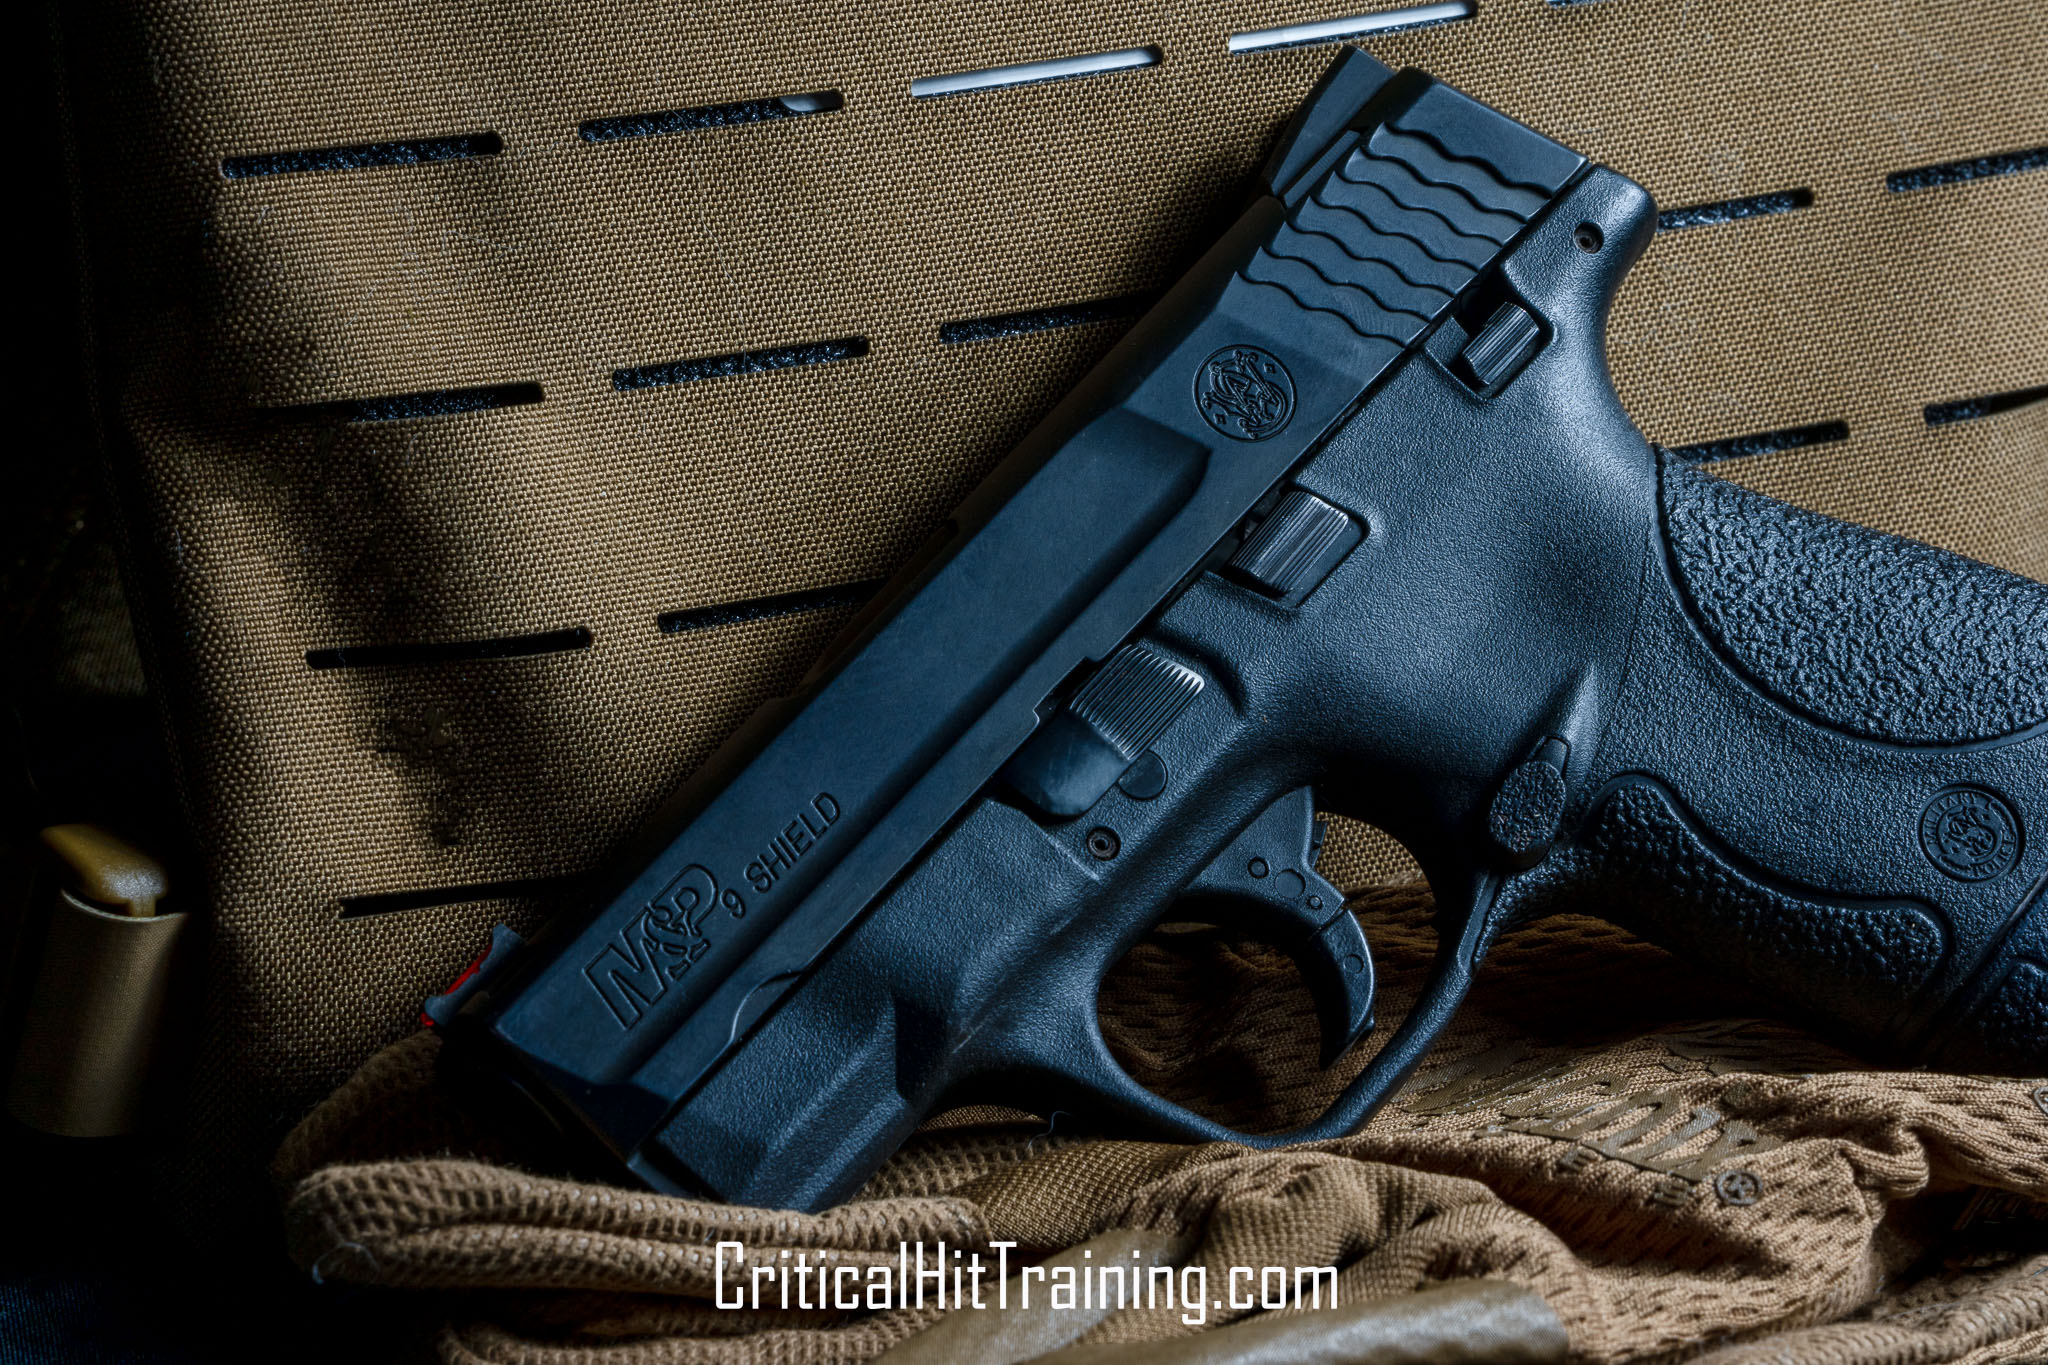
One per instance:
[(1352, 520)]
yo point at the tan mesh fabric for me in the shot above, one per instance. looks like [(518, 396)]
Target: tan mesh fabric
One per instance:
[(1596, 1129), (1357, 855), (1475, 1322), (1969, 1317), (261, 528)]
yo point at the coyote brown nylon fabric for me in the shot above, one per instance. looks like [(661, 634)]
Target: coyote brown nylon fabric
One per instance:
[(261, 523), (1595, 1128)]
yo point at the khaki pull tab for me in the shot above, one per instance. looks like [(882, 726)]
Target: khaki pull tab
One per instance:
[(96, 1002)]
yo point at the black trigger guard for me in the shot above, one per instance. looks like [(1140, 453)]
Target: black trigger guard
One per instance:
[(1265, 884)]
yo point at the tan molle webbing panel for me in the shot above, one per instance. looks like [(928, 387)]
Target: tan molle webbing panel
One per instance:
[(279, 343)]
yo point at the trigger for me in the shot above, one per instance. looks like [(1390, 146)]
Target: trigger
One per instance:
[(1265, 881)]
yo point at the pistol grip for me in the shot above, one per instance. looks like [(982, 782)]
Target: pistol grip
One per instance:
[(1826, 775)]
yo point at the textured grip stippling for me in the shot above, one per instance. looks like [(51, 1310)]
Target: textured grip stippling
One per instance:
[(1879, 636), (1642, 863)]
